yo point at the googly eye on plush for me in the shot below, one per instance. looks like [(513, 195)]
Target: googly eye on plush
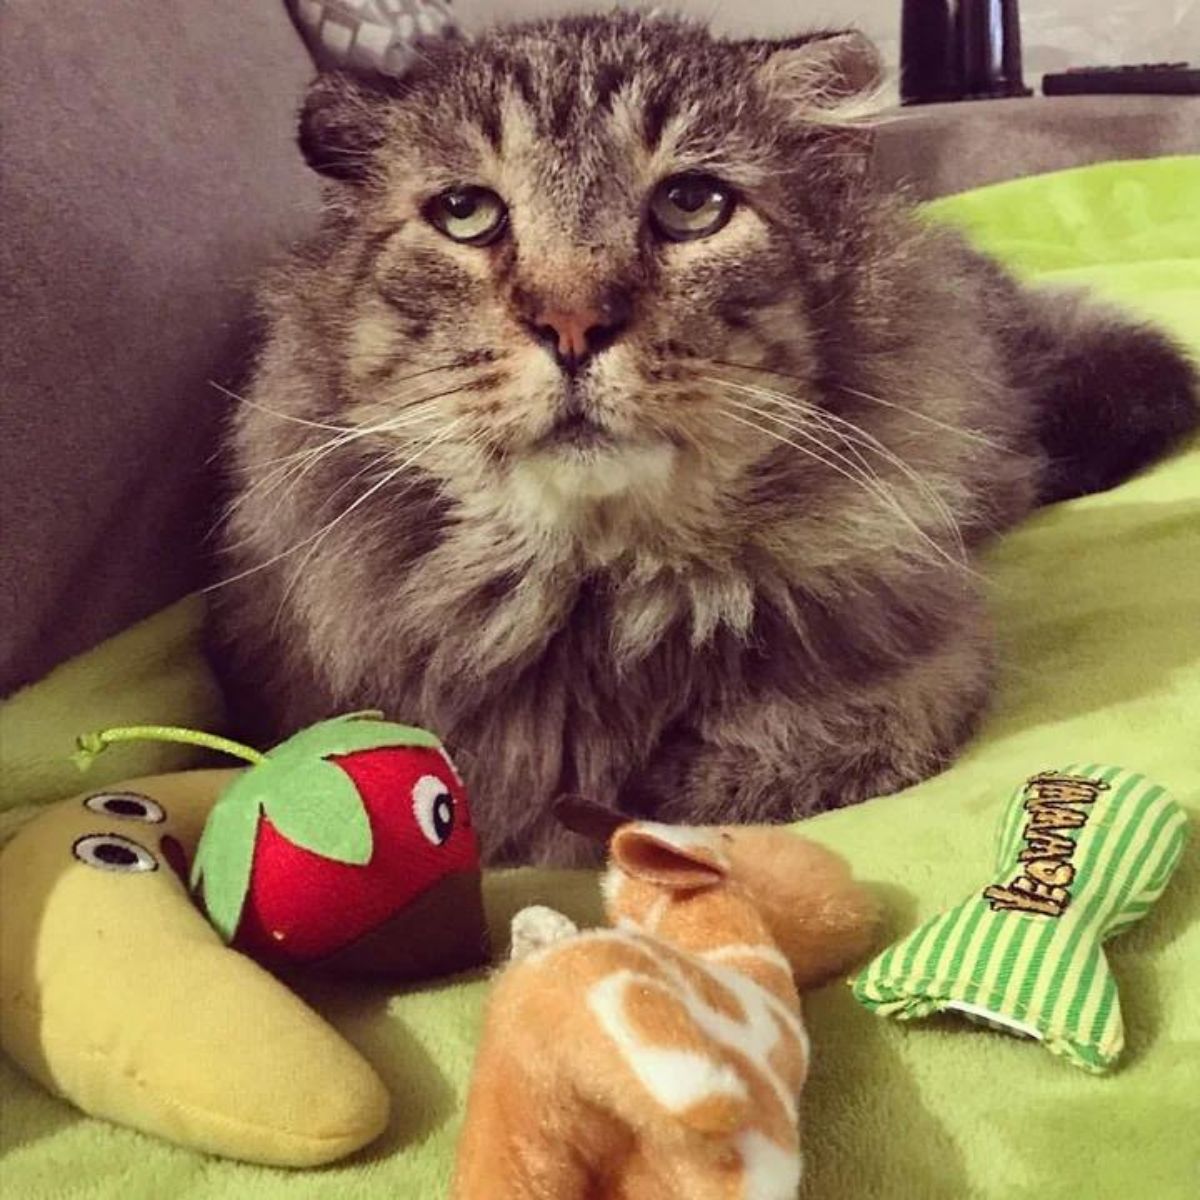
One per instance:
[(433, 807), (475, 216), (111, 852), (127, 806), (686, 207)]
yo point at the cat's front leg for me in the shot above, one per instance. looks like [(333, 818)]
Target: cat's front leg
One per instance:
[(779, 759)]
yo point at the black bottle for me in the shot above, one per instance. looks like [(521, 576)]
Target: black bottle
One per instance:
[(960, 50)]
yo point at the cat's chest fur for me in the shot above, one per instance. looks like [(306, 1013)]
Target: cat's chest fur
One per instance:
[(502, 604), (548, 666), (561, 655)]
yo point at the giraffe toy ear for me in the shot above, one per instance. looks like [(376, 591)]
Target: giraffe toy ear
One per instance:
[(672, 856)]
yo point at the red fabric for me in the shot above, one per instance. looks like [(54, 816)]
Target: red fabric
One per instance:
[(302, 907)]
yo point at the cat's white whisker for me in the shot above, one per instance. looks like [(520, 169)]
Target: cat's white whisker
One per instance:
[(274, 412), (465, 361), (382, 482), (881, 494), (854, 436), (848, 470), (945, 426), (969, 435), (858, 465), (297, 465), (292, 469), (324, 530)]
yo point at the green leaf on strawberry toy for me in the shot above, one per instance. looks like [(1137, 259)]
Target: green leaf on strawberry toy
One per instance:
[(308, 799), (338, 848), (344, 735), (317, 806), (221, 868)]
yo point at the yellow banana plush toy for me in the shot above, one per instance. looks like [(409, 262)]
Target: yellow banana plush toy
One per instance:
[(117, 994)]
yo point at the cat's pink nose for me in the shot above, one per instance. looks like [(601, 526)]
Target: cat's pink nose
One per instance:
[(574, 335), (571, 330)]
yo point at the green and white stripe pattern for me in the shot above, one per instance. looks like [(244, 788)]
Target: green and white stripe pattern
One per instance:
[(1083, 853)]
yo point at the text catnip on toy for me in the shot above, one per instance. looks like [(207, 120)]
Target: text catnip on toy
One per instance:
[(1083, 854)]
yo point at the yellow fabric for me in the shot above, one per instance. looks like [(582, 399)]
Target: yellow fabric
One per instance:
[(151, 672), (117, 994)]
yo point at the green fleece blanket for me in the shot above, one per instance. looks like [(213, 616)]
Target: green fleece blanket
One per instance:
[(1097, 605)]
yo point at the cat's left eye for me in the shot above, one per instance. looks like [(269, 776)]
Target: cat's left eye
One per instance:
[(686, 207), (475, 216)]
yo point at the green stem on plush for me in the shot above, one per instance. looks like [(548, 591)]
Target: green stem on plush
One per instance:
[(91, 745)]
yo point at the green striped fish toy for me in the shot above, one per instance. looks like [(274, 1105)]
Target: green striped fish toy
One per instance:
[(1083, 854)]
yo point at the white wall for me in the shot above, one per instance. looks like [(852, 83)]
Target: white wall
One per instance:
[(1056, 33)]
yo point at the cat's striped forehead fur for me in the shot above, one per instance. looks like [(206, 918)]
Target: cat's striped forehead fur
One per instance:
[(573, 124)]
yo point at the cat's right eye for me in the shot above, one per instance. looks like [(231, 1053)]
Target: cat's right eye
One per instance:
[(475, 216), (690, 206)]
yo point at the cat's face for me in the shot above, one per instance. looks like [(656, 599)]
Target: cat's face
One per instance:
[(562, 245)]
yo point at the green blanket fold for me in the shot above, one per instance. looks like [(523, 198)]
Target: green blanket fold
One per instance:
[(1097, 608)]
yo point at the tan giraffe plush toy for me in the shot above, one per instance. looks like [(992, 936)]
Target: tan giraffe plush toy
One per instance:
[(663, 1058)]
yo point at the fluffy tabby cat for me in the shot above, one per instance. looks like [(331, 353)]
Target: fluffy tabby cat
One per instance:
[(615, 425)]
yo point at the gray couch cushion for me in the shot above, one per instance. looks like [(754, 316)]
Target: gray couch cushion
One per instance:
[(936, 149), (148, 170)]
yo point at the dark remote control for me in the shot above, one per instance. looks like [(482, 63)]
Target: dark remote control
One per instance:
[(1164, 79)]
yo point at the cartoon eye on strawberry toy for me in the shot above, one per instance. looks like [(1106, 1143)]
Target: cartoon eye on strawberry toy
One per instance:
[(349, 847)]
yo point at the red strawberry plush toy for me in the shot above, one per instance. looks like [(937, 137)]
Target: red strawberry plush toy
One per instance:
[(348, 847)]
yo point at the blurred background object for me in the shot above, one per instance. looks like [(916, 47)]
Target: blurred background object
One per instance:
[(149, 173), (371, 35), (1055, 33), (960, 50)]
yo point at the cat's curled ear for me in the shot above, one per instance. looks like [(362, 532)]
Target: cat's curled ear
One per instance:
[(828, 77), (343, 122)]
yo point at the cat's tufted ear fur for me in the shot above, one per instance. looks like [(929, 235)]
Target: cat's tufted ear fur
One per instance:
[(343, 122), (829, 77)]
